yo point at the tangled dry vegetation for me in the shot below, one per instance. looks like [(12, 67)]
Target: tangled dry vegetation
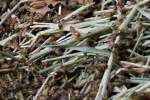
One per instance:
[(74, 50)]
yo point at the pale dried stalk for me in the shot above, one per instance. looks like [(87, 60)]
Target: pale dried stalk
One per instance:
[(64, 56), (105, 79), (5, 70), (43, 85), (78, 11), (148, 62), (121, 94), (40, 47), (102, 12), (9, 55), (12, 10), (94, 31), (103, 4), (134, 65), (56, 67), (131, 14), (139, 88), (4, 41), (103, 85), (40, 54), (145, 86), (41, 33), (139, 39), (67, 27)]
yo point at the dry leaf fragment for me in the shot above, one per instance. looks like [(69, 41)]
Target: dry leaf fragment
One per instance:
[(38, 4), (39, 7)]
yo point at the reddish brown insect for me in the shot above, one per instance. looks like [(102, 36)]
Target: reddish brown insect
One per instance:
[(75, 32)]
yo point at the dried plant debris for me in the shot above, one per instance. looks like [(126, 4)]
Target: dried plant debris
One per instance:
[(74, 49)]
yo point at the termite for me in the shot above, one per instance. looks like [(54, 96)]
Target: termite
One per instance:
[(75, 32)]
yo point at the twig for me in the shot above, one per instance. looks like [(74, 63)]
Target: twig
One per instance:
[(103, 84), (57, 66), (4, 41), (94, 31), (137, 54), (134, 65), (131, 14), (10, 56), (12, 10), (145, 86), (137, 43), (148, 61), (43, 85), (41, 33), (121, 94), (103, 4), (78, 11), (40, 54), (40, 47), (5, 70), (103, 12), (104, 81), (64, 56), (67, 27)]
